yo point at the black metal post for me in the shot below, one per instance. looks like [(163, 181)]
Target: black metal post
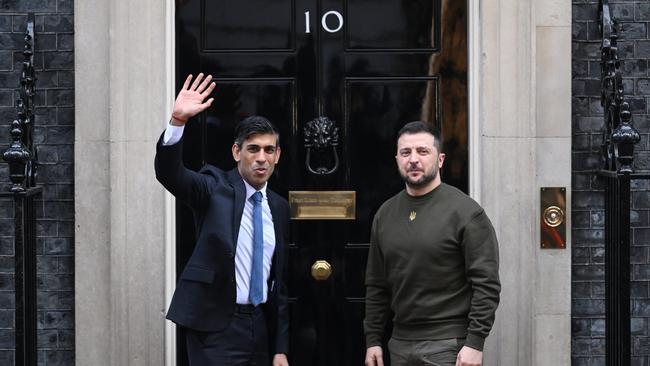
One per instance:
[(21, 157), (617, 270), (619, 138), (25, 276)]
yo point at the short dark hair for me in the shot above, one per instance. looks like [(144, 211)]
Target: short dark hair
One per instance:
[(420, 126), (254, 125)]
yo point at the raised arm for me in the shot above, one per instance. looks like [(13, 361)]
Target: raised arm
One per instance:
[(185, 184)]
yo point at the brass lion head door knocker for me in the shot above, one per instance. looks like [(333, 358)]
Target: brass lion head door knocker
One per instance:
[(321, 139)]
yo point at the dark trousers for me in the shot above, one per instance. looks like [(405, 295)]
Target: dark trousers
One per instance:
[(243, 342)]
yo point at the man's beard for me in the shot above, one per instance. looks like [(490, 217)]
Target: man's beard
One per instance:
[(422, 181)]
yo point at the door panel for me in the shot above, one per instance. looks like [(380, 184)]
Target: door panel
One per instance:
[(393, 25), (230, 25), (389, 63), (364, 64), (251, 66)]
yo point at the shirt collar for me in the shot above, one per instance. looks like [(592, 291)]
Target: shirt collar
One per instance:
[(250, 190)]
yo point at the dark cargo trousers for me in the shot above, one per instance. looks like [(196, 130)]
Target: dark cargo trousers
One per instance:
[(441, 352)]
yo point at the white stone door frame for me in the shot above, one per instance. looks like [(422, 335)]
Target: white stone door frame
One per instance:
[(170, 201), (520, 139), (474, 97), (121, 92)]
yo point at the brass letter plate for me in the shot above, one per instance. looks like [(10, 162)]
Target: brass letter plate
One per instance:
[(322, 205), (553, 217)]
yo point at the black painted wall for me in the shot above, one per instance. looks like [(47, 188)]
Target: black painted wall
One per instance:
[(55, 136), (588, 292)]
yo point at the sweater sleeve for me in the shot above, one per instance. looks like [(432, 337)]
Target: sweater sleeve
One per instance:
[(377, 293), (480, 248)]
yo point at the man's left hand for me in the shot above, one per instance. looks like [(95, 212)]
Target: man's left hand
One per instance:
[(280, 359), (469, 357)]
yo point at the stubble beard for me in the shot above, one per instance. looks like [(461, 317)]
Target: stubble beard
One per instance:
[(422, 181)]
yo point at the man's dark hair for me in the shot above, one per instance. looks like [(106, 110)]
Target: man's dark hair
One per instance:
[(254, 125), (419, 126)]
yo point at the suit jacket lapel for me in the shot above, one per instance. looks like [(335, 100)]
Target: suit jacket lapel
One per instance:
[(240, 198), (277, 227), (275, 212)]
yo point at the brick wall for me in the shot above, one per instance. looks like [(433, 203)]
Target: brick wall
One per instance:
[(55, 136), (588, 293)]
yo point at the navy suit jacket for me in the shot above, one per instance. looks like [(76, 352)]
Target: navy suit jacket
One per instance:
[(205, 294)]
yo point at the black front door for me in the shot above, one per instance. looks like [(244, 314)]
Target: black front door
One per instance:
[(368, 66)]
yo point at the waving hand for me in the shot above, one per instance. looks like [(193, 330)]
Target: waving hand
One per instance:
[(190, 100)]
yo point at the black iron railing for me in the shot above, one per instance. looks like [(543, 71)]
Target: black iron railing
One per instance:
[(617, 150), (21, 157)]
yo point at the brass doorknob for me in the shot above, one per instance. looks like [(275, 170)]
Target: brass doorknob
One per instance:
[(321, 270)]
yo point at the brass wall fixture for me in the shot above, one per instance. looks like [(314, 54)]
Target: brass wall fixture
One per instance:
[(322, 205), (553, 217), (321, 270)]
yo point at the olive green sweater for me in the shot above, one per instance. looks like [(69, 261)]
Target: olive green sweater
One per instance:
[(434, 262)]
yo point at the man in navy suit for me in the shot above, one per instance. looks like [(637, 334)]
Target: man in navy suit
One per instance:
[(230, 297)]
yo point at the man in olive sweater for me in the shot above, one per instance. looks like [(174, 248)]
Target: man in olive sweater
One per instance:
[(433, 261)]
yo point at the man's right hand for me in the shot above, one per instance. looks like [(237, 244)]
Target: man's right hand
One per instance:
[(189, 101), (374, 356)]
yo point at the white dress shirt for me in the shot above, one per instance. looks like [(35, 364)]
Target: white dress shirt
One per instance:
[(173, 134), (244, 251)]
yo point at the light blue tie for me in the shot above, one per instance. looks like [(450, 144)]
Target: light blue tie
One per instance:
[(256, 294)]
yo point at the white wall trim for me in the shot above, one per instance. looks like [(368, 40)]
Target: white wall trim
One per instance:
[(120, 231), (170, 275), (474, 105), (170, 200), (92, 185)]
